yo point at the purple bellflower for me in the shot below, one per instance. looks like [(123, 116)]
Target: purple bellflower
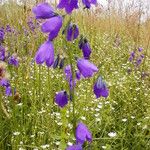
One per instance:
[(13, 61), (2, 53), (8, 91), (8, 28), (69, 78), (100, 88), (88, 3), (83, 134), (5, 83), (86, 68), (2, 33), (43, 11), (61, 98), (69, 5), (52, 26), (72, 32), (75, 147), (85, 47), (56, 62), (140, 49), (45, 54), (132, 55)]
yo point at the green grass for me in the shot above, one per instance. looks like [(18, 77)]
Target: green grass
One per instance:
[(35, 120)]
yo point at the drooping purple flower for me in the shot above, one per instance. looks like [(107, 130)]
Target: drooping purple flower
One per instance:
[(86, 68), (4, 82), (2, 53), (68, 73), (43, 11), (31, 25), (8, 28), (75, 147), (132, 55), (83, 134), (56, 62), (8, 91), (13, 61), (61, 98), (88, 3), (85, 46), (78, 75), (72, 32), (69, 78), (138, 62), (69, 5), (2, 33), (140, 49), (100, 88), (62, 62), (45, 54), (52, 26)]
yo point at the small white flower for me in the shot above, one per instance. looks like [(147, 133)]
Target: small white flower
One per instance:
[(132, 117), (104, 147), (98, 119), (45, 146), (69, 144), (83, 118), (112, 134), (57, 143), (139, 123), (16, 133), (124, 120)]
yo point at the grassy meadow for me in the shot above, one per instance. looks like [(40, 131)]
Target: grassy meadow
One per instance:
[(30, 118)]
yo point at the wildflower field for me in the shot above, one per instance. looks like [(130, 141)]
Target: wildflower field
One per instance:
[(74, 75)]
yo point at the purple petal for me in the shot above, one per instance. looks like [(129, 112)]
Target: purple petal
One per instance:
[(83, 134), (43, 11), (45, 54), (52, 26), (4, 82), (8, 91), (61, 98), (86, 68), (74, 147), (62, 4)]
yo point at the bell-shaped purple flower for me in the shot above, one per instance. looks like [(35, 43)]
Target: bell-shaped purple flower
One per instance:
[(83, 134), (72, 32), (100, 88), (4, 82), (43, 11), (52, 26), (13, 61), (140, 49), (69, 78), (86, 68), (56, 62), (132, 55), (61, 98), (2, 53), (88, 3), (2, 33), (78, 75), (8, 28), (69, 5), (45, 54), (75, 147), (8, 91), (85, 46)]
